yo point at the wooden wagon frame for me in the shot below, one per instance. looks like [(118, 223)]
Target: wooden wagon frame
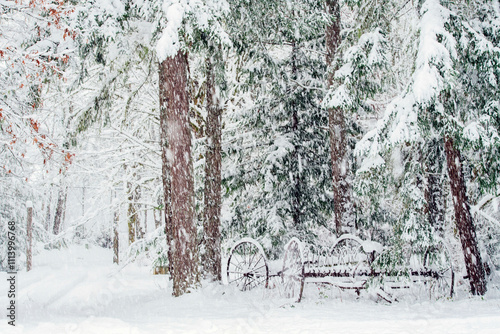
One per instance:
[(347, 264)]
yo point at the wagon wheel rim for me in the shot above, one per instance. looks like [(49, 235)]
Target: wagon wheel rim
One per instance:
[(443, 284), (293, 270), (349, 257), (247, 266)]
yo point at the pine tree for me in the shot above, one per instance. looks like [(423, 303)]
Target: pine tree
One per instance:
[(277, 176), (341, 166), (213, 162), (426, 121), (357, 64), (173, 92), (472, 138), (172, 53)]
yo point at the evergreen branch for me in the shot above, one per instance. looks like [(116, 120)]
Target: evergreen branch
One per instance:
[(308, 87)]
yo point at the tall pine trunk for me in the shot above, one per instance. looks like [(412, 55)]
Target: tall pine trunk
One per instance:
[(165, 167), (181, 228), (337, 127), (212, 211), (463, 219)]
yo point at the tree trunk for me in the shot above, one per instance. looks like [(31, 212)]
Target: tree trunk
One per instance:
[(131, 214), (165, 165), (29, 236), (139, 233), (182, 229), (211, 225), (157, 219), (47, 214), (61, 206), (434, 190), (296, 187), (116, 245), (338, 141), (65, 200), (463, 218)]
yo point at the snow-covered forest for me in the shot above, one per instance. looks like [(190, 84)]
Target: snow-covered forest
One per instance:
[(140, 140)]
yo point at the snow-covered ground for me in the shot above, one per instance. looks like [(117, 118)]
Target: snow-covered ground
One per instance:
[(79, 291)]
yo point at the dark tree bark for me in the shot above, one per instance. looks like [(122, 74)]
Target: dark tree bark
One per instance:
[(337, 127), (435, 202), (211, 225), (65, 200), (463, 218), (182, 229), (165, 169), (434, 191)]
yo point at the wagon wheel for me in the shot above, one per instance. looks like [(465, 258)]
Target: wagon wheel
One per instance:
[(293, 270), (349, 257), (247, 267), (443, 283)]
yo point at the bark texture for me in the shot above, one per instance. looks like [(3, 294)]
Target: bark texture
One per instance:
[(181, 228), (61, 207), (165, 169), (337, 127), (463, 218), (434, 191), (211, 225), (132, 215)]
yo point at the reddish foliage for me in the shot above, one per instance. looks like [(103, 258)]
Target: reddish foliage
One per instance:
[(36, 67), (34, 125)]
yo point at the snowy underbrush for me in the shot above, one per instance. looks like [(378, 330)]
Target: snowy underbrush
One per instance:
[(79, 290), (150, 251)]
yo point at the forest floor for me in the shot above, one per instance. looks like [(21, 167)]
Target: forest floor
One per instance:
[(79, 291)]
